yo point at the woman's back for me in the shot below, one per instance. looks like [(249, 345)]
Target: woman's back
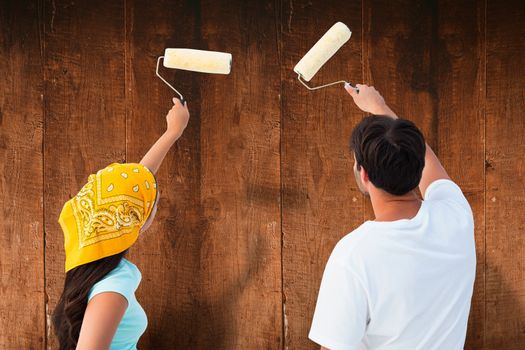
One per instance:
[(124, 280)]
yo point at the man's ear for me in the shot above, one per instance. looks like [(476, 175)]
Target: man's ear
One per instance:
[(364, 176)]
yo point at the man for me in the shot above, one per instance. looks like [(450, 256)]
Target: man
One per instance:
[(403, 281)]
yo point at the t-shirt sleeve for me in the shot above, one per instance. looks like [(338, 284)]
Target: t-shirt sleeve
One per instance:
[(119, 283), (341, 313), (447, 191)]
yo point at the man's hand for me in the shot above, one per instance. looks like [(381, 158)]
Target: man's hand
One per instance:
[(369, 100), (177, 118)]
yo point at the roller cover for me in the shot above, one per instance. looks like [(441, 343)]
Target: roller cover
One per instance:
[(198, 60), (321, 52)]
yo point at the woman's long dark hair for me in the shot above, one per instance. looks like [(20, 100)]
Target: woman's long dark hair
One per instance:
[(69, 312)]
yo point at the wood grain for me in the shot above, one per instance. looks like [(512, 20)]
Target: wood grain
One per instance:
[(505, 187), (22, 323), (427, 59), (211, 263), (461, 82), (85, 115), (240, 266), (259, 189), (400, 60), (168, 254), (320, 199)]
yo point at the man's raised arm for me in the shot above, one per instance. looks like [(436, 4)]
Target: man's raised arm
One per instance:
[(369, 100)]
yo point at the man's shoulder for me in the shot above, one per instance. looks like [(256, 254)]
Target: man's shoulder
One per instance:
[(351, 243), (446, 192)]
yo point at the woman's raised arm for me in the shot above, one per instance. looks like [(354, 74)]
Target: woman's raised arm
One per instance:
[(177, 120)]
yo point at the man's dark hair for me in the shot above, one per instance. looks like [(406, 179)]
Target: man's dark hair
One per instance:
[(392, 151)]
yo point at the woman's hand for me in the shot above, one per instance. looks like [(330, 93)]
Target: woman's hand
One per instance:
[(177, 118)]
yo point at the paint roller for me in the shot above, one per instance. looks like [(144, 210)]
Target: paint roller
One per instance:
[(320, 53), (202, 61)]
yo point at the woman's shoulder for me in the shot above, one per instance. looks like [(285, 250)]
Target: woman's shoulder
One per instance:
[(128, 267), (123, 279)]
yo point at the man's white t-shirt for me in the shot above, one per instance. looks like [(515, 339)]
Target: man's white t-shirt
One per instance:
[(401, 285)]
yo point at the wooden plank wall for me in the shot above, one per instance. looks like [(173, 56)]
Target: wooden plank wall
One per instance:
[(22, 304), (260, 188), (428, 59), (213, 259), (84, 112), (320, 198), (505, 176)]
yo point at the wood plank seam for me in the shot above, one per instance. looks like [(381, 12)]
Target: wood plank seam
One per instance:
[(484, 94), (41, 33), (279, 28)]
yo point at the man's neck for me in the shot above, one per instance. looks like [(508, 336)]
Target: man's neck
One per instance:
[(391, 208)]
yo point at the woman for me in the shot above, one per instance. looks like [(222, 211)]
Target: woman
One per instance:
[(98, 308)]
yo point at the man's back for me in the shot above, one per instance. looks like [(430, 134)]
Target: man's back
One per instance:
[(405, 284)]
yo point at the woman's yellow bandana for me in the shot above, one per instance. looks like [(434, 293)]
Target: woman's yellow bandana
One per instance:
[(105, 217)]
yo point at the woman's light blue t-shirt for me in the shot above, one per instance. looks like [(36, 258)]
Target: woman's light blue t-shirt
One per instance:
[(124, 279)]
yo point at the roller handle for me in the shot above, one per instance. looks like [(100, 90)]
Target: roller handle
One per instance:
[(182, 100), (300, 78)]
